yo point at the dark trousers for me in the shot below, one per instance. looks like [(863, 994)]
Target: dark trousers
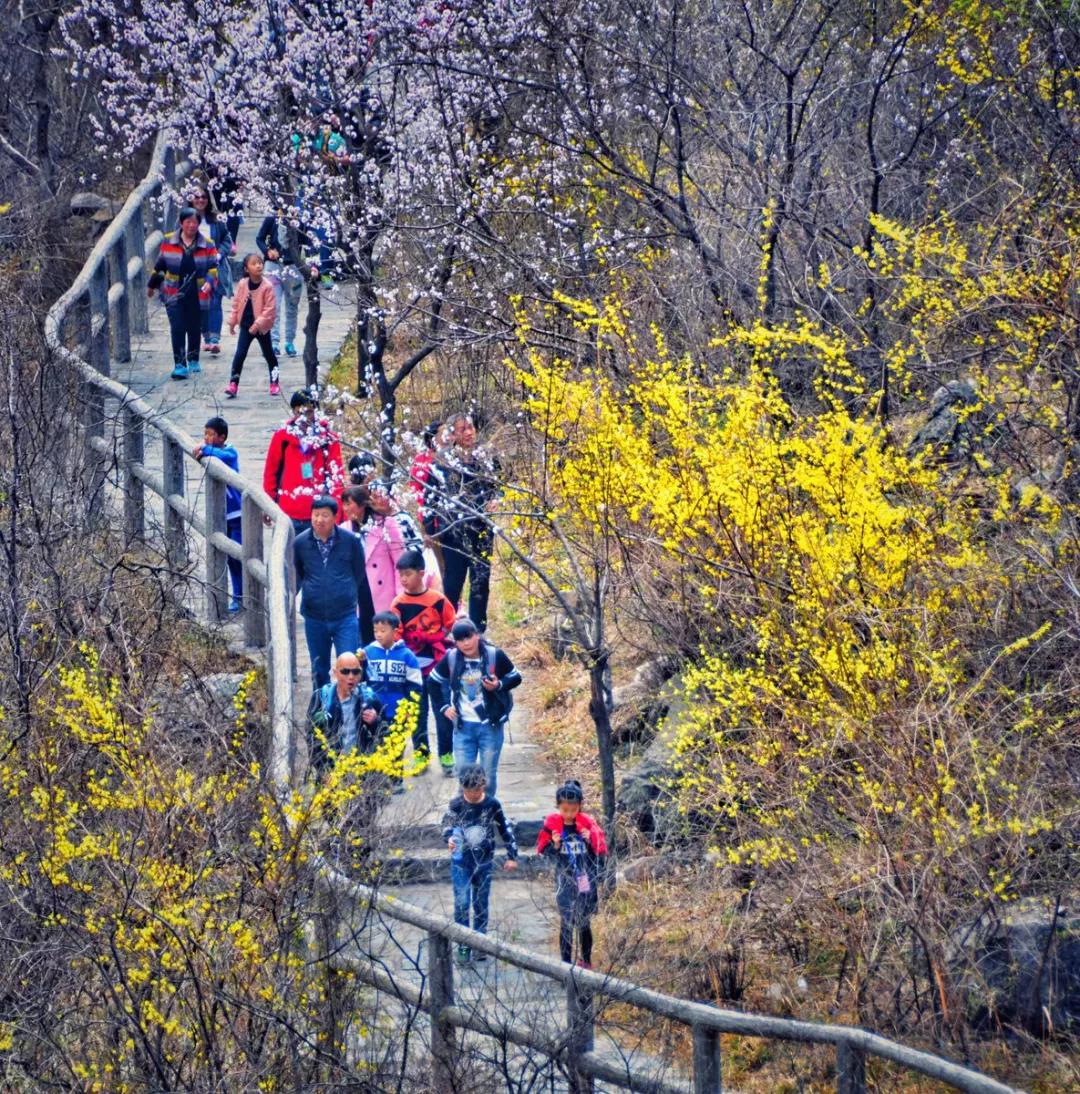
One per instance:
[(467, 553), (236, 567), (243, 344), (185, 327), (444, 728), (566, 941)]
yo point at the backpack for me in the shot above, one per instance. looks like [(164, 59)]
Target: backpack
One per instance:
[(504, 697)]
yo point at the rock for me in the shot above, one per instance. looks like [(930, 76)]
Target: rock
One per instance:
[(88, 204), (647, 868), (198, 704), (1027, 966), (646, 797), (645, 682), (946, 429), (223, 686)]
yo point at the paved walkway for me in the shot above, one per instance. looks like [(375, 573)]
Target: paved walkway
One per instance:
[(524, 788), (522, 902)]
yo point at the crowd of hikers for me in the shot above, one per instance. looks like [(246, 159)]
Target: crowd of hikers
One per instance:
[(380, 589)]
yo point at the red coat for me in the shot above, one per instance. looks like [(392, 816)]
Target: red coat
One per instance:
[(295, 478), (588, 828), (262, 304)]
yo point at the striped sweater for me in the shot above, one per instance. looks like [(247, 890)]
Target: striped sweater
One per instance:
[(166, 275)]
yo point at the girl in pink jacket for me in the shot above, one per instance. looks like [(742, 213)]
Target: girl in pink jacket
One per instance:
[(388, 533), (254, 310)]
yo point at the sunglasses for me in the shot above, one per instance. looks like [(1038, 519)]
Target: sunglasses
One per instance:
[(350, 672)]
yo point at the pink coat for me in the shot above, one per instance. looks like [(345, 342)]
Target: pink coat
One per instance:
[(385, 540), (262, 302)]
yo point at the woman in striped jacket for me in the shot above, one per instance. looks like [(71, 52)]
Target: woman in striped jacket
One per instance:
[(186, 272)]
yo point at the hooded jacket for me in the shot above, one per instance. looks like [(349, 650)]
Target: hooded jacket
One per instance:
[(262, 304), (297, 471)]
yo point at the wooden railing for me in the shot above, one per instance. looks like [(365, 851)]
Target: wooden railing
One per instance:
[(91, 327), (99, 315)]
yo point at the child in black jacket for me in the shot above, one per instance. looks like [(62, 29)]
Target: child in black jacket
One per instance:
[(469, 830)]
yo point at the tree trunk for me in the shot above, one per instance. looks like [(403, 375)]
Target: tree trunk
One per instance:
[(598, 709), (311, 334)]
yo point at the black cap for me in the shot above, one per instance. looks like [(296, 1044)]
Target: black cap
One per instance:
[(463, 628)]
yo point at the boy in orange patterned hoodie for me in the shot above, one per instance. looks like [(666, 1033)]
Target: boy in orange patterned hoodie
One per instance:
[(426, 618)]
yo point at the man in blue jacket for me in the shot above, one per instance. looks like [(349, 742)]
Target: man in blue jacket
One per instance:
[(471, 685), (332, 580)]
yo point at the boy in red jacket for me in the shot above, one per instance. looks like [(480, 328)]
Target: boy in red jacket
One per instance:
[(303, 462), (576, 842)]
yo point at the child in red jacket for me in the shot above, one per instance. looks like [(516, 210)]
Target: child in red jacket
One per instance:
[(576, 842), (255, 310)]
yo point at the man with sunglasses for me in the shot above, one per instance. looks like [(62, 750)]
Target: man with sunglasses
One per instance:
[(345, 713)]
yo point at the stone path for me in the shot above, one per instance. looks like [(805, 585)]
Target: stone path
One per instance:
[(522, 903), (524, 788)]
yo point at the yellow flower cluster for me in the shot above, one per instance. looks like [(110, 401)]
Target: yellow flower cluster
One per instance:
[(852, 583)]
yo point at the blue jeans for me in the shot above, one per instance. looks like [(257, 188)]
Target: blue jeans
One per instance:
[(472, 884), (479, 742), (212, 319), (343, 634), (287, 299)]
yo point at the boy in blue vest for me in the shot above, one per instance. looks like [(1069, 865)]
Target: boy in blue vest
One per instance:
[(216, 443), (393, 672)]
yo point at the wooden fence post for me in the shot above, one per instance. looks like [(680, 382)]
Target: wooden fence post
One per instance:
[(707, 1074), (850, 1069), (138, 309), (98, 352), (93, 402), (441, 994), (174, 478), (119, 325), (168, 205), (581, 1016), (134, 494), (251, 533), (217, 568)]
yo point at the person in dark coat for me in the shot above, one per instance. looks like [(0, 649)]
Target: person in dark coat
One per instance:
[(330, 575)]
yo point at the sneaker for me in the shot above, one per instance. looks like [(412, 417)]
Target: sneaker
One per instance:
[(421, 759), (290, 349), (231, 389), (194, 366), (234, 604), (463, 955), (206, 346), (447, 764), (179, 372), (215, 348), (584, 965), (275, 387)]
